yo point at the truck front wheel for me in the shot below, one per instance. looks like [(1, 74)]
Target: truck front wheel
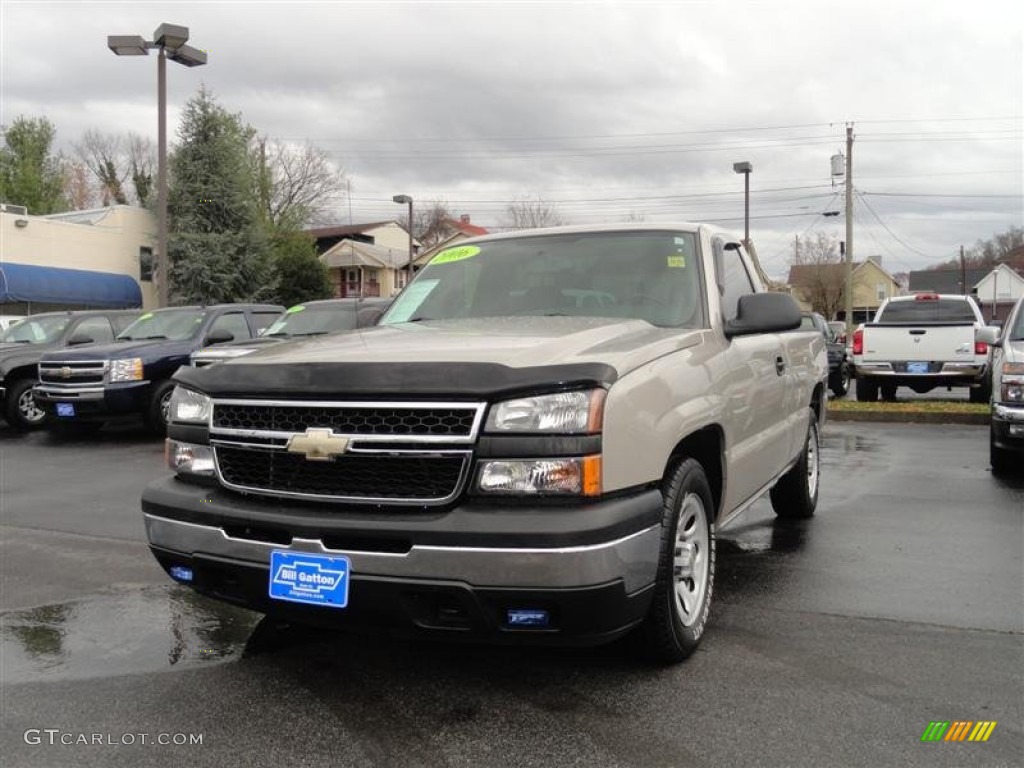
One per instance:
[(795, 496), (686, 566)]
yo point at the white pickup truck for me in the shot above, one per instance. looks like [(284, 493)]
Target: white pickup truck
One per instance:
[(922, 342)]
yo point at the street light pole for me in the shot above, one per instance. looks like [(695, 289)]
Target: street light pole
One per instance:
[(170, 40), (849, 231), (745, 168), (407, 199)]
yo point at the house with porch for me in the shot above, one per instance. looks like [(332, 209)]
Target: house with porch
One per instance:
[(365, 259), (821, 288)]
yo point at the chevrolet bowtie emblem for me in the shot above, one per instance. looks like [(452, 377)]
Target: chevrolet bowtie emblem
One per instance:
[(318, 444), (65, 372)]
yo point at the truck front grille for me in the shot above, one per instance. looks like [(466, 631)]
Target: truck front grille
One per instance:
[(377, 477), (72, 371), (396, 452)]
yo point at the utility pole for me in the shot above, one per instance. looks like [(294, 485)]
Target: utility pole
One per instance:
[(963, 272), (849, 230)]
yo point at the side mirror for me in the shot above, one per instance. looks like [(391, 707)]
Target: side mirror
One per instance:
[(80, 338), (220, 336), (764, 313), (989, 334)]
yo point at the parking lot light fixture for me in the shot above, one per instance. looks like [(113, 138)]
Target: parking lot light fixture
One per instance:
[(169, 40), (745, 168)]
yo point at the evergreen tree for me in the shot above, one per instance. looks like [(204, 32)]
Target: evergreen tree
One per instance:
[(301, 276), (30, 174), (220, 250)]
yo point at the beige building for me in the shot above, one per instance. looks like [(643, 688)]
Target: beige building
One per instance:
[(97, 258), (365, 259), (822, 288)]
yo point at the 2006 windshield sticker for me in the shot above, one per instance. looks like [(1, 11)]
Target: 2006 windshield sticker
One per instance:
[(455, 254)]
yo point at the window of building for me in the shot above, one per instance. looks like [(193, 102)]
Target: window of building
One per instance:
[(145, 264)]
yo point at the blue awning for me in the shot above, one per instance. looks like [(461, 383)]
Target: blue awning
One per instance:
[(53, 285)]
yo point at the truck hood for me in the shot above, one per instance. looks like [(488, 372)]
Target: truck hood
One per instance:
[(479, 355), (120, 350)]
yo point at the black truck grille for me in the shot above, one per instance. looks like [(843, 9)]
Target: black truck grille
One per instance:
[(348, 419), (358, 477), (72, 372)]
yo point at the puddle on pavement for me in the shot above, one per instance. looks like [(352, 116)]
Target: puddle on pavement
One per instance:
[(121, 633)]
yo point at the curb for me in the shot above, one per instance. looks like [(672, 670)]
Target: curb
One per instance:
[(906, 417)]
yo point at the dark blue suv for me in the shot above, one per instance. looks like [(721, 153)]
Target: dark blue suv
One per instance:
[(93, 384)]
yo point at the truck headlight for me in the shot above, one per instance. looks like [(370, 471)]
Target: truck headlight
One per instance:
[(126, 370), (1012, 383), (574, 477), (189, 407), (189, 458), (565, 412)]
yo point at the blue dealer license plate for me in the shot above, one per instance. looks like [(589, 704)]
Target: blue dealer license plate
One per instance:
[(65, 409), (300, 577), (917, 367)]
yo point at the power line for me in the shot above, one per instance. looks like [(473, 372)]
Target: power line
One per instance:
[(885, 226)]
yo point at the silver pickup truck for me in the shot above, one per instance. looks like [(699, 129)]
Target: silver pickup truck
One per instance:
[(537, 443)]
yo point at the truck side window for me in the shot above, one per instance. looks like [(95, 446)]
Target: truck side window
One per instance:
[(234, 323), (96, 328), (733, 279)]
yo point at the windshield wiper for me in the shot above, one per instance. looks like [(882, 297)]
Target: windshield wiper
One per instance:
[(420, 319), (313, 333), (151, 338), (276, 333)]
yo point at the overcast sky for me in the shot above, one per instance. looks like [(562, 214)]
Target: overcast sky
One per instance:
[(606, 109)]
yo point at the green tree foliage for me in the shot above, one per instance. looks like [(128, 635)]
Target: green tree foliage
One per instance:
[(301, 276), (220, 250), (30, 174)]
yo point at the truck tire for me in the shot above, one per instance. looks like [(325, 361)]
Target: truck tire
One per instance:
[(156, 413), (795, 496), (22, 412), (1002, 460), (888, 392), (840, 382), (867, 390), (685, 578)]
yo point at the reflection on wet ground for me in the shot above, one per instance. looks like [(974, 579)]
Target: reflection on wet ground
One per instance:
[(121, 633)]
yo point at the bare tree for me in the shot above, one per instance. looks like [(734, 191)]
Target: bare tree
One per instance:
[(296, 183), (103, 155), (78, 186), (430, 222), (142, 166), (531, 213), (820, 277)]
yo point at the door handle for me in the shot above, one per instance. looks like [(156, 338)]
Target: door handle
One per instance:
[(780, 365)]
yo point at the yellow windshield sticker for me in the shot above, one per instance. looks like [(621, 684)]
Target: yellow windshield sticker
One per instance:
[(146, 316), (677, 262), (455, 254), (293, 310)]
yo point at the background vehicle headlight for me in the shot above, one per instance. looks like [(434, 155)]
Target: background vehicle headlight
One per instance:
[(1013, 383), (126, 370), (189, 407), (579, 476), (567, 412)]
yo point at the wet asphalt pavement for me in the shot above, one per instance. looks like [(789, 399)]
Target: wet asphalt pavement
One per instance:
[(833, 641)]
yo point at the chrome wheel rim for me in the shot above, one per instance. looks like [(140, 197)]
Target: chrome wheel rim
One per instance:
[(691, 559), (165, 406), (28, 409), (812, 461)]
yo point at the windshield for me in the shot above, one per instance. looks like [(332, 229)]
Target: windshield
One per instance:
[(927, 311), (42, 329), (647, 275), (314, 320), (1016, 333), (174, 324)]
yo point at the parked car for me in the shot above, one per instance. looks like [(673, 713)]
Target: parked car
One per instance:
[(1006, 431), (922, 342), (22, 347), (840, 364), (314, 318), (501, 458), (132, 376)]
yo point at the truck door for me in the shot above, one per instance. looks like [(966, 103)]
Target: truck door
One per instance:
[(755, 387)]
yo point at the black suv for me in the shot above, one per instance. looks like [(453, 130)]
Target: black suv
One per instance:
[(23, 345), (132, 375), (840, 366)]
